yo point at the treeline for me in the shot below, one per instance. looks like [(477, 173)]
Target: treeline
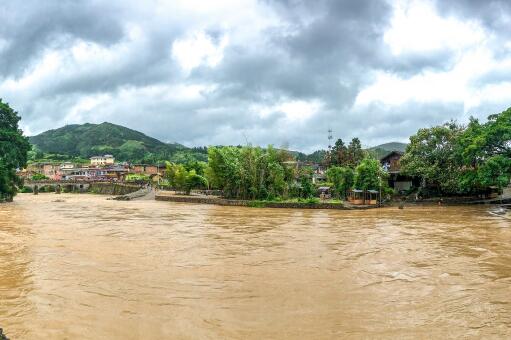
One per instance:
[(244, 172), (130, 152), (250, 172), (185, 177), (345, 156), (455, 159), (255, 173)]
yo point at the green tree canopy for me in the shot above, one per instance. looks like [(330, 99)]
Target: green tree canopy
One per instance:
[(369, 175), (13, 151), (460, 160), (355, 153), (249, 172), (433, 155), (181, 179), (343, 179)]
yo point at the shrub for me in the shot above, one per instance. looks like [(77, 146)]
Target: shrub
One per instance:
[(26, 190), (312, 200), (39, 177)]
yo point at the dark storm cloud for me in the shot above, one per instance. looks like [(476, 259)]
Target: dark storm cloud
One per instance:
[(324, 51), (492, 13), (29, 27)]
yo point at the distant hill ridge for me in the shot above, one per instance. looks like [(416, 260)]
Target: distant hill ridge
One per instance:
[(87, 140), (382, 150)]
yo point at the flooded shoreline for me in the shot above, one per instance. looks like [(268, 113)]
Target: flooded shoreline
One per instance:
[(87, 267)]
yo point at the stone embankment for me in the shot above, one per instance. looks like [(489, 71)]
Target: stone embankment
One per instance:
[(144, 193), (259, 204), (115, 189)]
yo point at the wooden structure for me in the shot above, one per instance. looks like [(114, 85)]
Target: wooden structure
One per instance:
[(324, 193), (363, 197), (372, 196)]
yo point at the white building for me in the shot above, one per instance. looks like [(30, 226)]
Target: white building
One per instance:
[(102, 160), (67, 166)]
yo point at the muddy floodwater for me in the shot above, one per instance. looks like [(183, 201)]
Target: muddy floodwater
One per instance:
[(89, 268)]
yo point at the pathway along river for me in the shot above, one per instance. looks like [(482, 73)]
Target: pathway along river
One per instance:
[(88, 268)]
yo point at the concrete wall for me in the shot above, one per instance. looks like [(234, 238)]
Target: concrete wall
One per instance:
[(243, 203)]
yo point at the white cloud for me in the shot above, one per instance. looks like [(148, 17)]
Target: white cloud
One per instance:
[(416, 27), (86, 107), (457, 85), (294, 110), (198, 49)]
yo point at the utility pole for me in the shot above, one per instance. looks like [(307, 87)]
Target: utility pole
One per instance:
[(379, 201), (330, 137)]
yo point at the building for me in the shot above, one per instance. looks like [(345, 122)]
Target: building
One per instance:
[(145, 169), (110, 173), (50, 170), (391, 163), (102, 160), (66, 165), (318, 172)]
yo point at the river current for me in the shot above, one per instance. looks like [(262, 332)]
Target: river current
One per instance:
[(83, 267)]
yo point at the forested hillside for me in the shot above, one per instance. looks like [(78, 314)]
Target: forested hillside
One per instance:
[(84, 141)]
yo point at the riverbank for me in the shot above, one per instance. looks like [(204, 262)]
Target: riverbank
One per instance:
[(201, 199)]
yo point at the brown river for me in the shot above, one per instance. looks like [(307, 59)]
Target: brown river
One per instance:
[(90, 268)]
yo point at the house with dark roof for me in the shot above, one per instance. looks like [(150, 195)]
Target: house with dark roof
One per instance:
[(391, 163)]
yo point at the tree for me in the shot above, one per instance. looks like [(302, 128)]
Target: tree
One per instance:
[(175, 174), (485, 151), (194, 181), (433, 155), (339, 153), (249, 172), (39, 177), (496, 171), (369, 175), (342, 178), (198, 166), (14, 149), (462, 160), (182, 180), (355, 154)]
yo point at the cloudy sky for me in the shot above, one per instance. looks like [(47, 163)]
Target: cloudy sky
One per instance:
[(276, 72)]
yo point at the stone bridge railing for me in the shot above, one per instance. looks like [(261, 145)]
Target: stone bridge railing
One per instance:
[(100, 187)]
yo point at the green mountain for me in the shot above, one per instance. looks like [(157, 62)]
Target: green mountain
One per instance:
[(79, 142), (315, 157), (125, 144), (378, 151), (381, 150)]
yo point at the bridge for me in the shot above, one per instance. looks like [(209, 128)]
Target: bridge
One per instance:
[(67, 186), (99, 187)]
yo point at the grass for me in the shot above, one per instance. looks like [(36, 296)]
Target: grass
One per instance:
[(258, 204), (311, 200)]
